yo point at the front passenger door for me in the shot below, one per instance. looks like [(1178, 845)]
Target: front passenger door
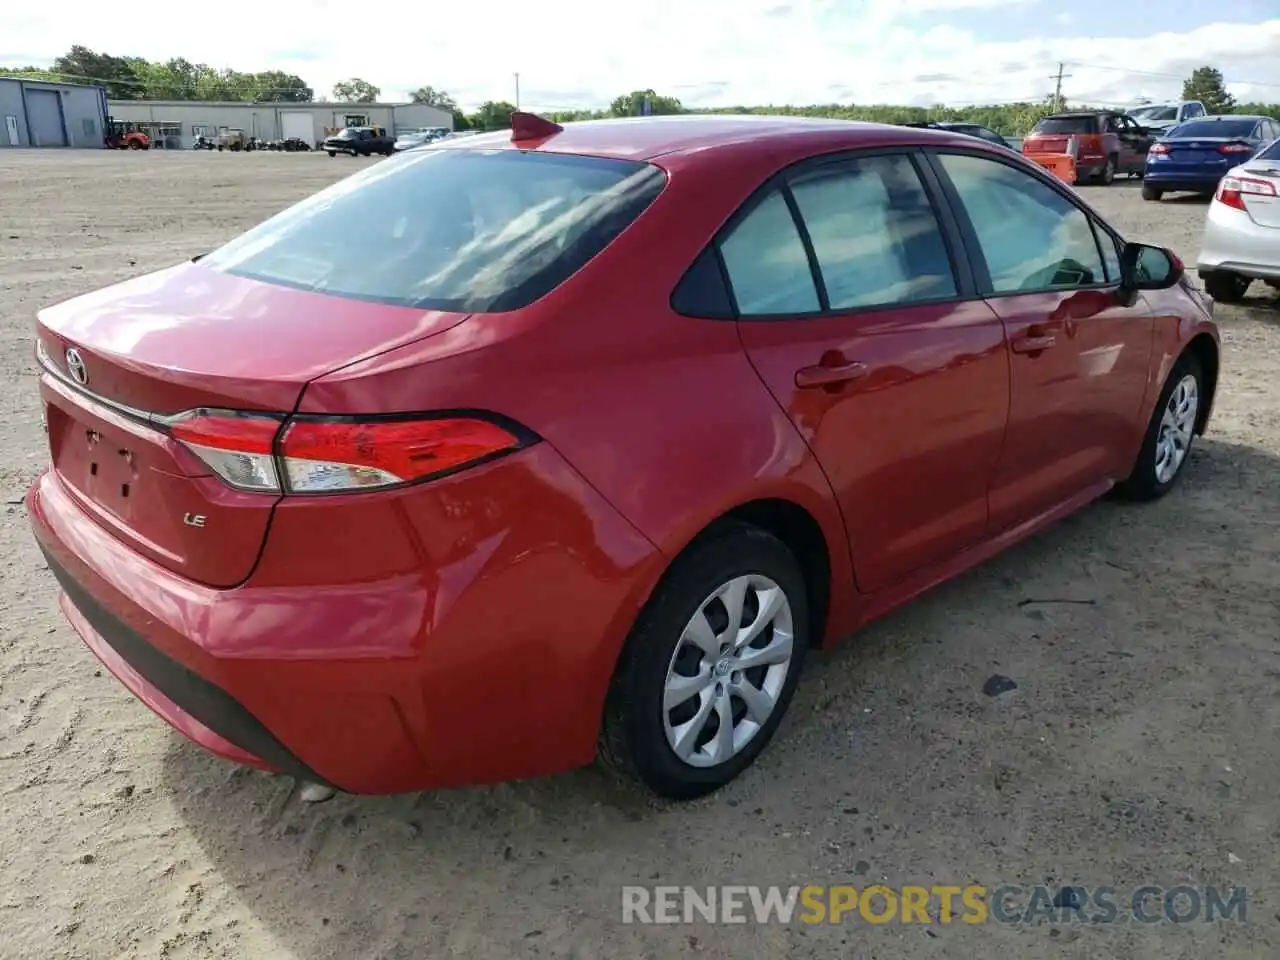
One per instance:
[(1079, 357)]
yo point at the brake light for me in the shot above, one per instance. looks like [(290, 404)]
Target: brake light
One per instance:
[(1232, 190), (321, 456), (235, 446), (1235, 148), (1159, 148), (337, 454)]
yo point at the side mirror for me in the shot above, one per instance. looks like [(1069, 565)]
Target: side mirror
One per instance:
[(1147, 267)]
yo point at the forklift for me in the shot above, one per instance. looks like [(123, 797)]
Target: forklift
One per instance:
[(125, 135)]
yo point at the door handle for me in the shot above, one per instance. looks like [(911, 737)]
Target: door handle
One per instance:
[(822, 375), (1032, 344)]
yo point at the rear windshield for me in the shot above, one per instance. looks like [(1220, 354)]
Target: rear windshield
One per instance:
[(469, 231), (1066, 125), (1270, 152), (1215, 128)]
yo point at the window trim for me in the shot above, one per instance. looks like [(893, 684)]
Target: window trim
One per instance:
[(969, 235), (961, 268)]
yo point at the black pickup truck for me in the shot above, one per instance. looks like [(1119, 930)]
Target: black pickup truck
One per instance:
[(360, 142)]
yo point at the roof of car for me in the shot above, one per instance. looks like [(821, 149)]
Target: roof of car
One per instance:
[(645, 138)]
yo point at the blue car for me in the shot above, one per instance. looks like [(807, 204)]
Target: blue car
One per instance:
[(1194, 156)]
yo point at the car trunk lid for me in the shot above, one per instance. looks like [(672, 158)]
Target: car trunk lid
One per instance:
[(122, 363), (1207, 151)]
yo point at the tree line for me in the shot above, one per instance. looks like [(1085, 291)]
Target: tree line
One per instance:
[(135, 78)]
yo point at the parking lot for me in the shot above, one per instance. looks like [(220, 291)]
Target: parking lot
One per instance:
[(1138, 749)]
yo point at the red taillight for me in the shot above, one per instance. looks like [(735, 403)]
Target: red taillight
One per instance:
[(321, 456), (1234, 149), (1232, 190), (237, 447), (1160, 148), (336, 454)]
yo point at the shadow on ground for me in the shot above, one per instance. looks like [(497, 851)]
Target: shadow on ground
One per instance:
[(1124, 626)]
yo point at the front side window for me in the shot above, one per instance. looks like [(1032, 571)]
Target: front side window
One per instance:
[(767, 264), (1031, 236), (874, 233), (470, 231)]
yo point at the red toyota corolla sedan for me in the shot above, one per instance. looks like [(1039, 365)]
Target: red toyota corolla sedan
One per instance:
[(525, 448)]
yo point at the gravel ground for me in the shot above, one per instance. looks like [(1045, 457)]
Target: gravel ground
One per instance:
[(1135, 749)]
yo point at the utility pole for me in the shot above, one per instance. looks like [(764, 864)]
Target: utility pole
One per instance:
[(1057, 91), (517, 91)]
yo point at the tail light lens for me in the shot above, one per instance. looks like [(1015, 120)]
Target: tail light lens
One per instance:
[(338, 454), (1235, 149), (1232, 190), (237, 447), (1159, 149)]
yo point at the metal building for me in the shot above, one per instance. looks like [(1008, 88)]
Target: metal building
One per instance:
[(34, 113), (176, 123)]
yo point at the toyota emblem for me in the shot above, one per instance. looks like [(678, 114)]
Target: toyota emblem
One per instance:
[(75, 366)]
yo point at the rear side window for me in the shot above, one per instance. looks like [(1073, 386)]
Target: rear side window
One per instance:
[(1066, 125), (1217, 128), (469, 231), (874, 233), (766, 262)]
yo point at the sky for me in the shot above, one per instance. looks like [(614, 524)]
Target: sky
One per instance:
[(580, 54)]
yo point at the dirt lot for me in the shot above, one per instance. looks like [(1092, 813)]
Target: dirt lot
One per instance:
[(1139, 747)]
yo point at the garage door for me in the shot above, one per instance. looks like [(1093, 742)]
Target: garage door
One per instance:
[(298, 124), (44, 119)]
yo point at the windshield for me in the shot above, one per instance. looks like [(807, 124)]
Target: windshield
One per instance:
[(1231, 129), (469, 231), (1084, 124), (348, 133), (1155, 113)]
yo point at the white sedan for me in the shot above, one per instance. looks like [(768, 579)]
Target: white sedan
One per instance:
[(1241, 240)]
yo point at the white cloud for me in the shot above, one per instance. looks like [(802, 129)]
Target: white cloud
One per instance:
[(578, 53)]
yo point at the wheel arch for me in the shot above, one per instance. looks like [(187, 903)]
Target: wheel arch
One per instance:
[(797, 528), (1205, 349)]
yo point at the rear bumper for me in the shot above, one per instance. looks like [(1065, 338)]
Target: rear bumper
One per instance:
[(488, 662), (1181, 181), (1233, 242)]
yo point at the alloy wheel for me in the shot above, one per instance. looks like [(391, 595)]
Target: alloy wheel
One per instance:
[(1177, 425), (728, 670)]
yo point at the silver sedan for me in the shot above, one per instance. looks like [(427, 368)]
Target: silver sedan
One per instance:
[(1241, 240)]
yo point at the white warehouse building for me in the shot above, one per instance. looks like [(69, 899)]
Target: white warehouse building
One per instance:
[(175, 124)]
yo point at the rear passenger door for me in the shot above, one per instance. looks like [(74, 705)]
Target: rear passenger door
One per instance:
[(865, 329), (1078, 357)]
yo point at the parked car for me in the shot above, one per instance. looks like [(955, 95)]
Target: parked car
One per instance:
[(969, 129), (1241, 241), (1106, 142), (360, 142), (1159, 117), (1193, 156), (442, 525), (407, 141)]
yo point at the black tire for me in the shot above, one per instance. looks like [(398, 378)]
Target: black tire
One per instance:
[(633, 738), (1143, 484), (1225, 286), (332, 153), (1107, 175), (1151, 193)]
